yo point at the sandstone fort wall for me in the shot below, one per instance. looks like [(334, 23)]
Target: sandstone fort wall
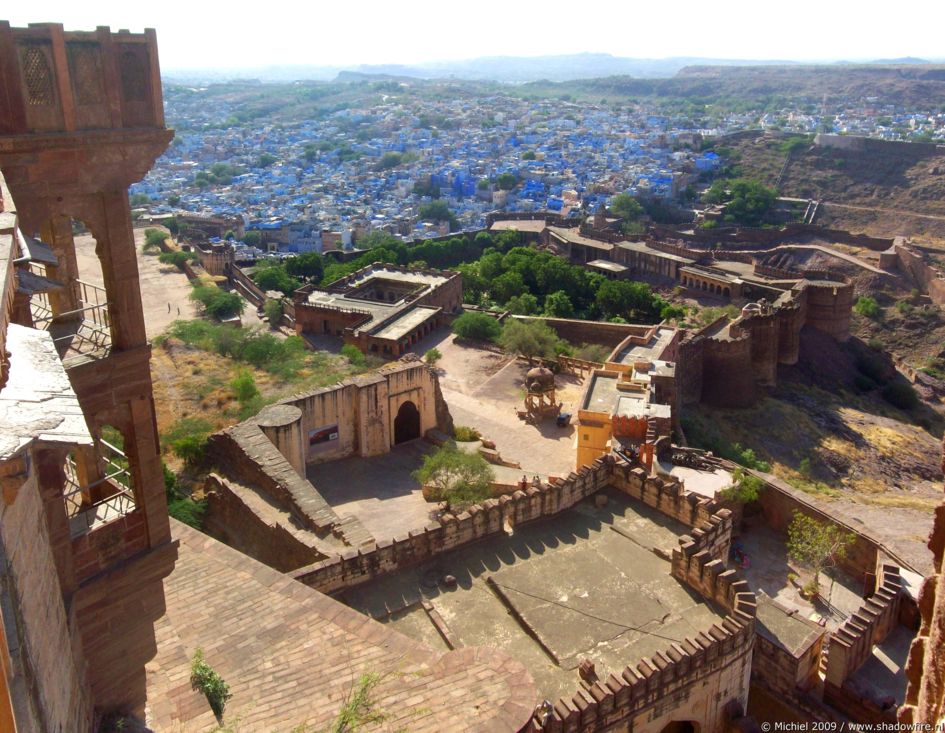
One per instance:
[(231, 521), (47, 673)]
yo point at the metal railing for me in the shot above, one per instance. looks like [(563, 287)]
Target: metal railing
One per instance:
[(114, 487), (85, 330)]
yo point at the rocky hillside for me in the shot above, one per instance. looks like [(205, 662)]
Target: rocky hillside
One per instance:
[(898, 188)]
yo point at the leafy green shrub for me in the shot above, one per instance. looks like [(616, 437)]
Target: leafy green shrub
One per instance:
[(466, 434), (864, 383), (433, 356), (244, 387), (191, 448), (353, 354), (477, 326), (188, 511), (745, 488), (900, 394), (867, 307), (273, 310), (276, 278), (283, 357), (204, 679), (593, 352), (176, 258), (188, 438), (875, 344)]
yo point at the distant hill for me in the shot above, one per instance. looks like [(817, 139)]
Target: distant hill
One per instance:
[(511, 69), (918, 86), (873, 189)]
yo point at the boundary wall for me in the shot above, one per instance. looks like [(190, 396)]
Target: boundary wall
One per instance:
[(852, 644)]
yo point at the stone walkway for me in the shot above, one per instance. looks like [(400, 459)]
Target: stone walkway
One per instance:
[(292, 656)]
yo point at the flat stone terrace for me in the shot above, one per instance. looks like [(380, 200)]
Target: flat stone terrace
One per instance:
[(584, 584), (292, 656)]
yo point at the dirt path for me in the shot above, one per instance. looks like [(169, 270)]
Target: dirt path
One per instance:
[(164, 288)]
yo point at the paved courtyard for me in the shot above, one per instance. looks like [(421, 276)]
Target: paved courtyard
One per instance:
[(587, 584), (379, 491)]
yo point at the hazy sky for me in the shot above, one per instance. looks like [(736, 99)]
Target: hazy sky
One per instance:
[(240, 34)]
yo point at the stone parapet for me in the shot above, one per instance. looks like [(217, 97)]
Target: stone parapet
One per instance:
[(453, 530), (853, 642)]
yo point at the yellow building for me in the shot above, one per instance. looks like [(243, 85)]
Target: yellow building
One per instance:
[(628, 405)]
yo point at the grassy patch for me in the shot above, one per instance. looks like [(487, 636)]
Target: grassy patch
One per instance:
[(286, 358)]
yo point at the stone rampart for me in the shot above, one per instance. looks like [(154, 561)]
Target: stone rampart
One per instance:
[(710, 668), (591, 332), (853, 642), (741, 238), (233, 522), (928, 277), (701, 675), (788, 672), (245, 451), (245, 285), (452, 530), (727, 371)]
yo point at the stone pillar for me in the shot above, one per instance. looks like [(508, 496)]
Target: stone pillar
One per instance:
[(88, 470), (144, 453), (115, 247), (57, 233), (282, 424), (52, 482)]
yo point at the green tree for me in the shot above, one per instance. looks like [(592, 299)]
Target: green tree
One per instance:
[(529, 338), (507, 181), (173, 200), (172, 224), (558, 305), (140, 199), (817, 545), (746, 201), (506, 286), (626, 207), (308, 265), (273, 310), (218, 303), (525, 304), (529, 155), (276, 278), (389, 160), (458, 478), (253, 239), (154, 238), (477, 326), (378, 239), (265, 160), (438, 210)]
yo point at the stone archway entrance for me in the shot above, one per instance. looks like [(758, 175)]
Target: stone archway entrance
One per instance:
[(407, 423)]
